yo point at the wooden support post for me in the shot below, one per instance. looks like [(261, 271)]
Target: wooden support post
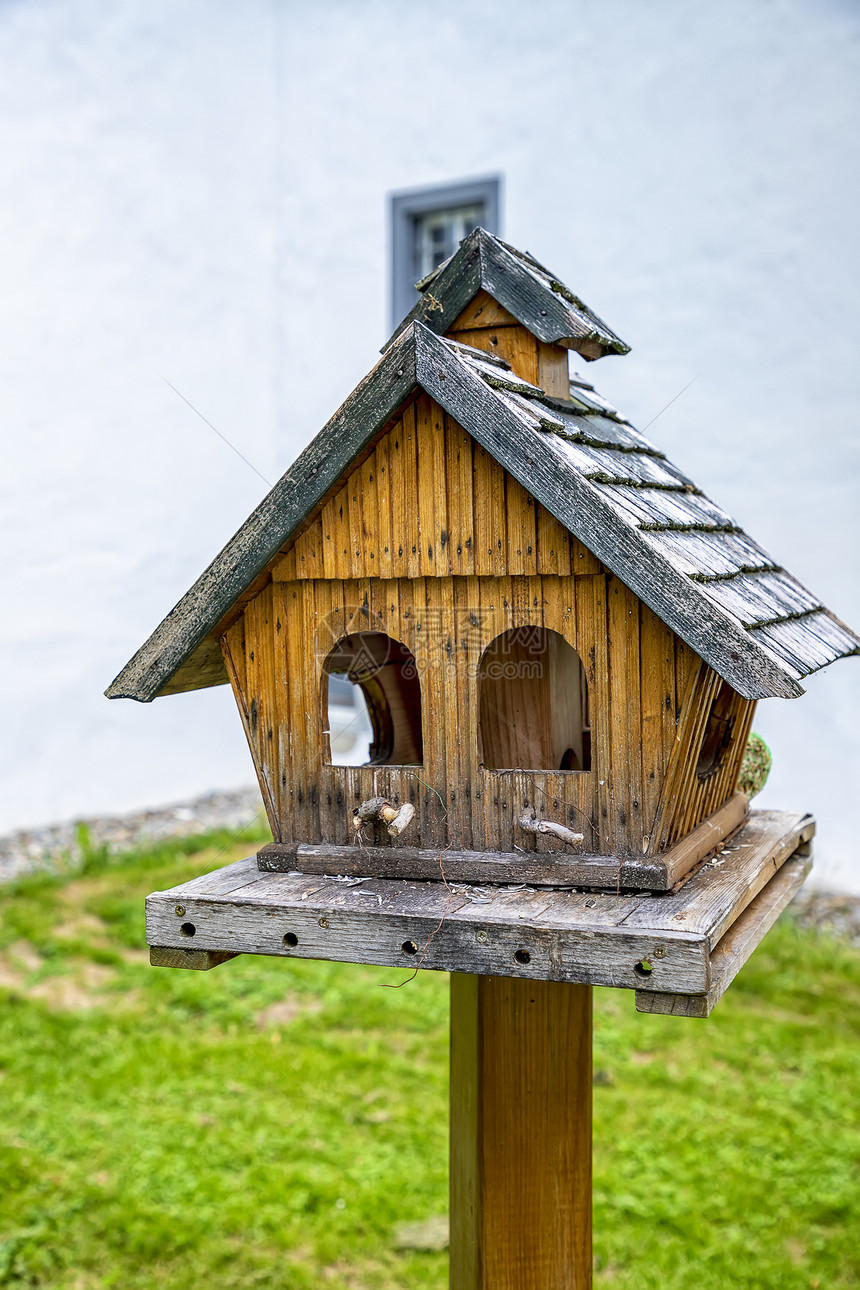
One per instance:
[(521, 1071)]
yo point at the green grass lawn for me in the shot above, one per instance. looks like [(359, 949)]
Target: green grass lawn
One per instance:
[(272, 1123)]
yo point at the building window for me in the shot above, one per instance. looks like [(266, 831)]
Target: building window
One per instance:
[(718, 733), (427, 226), (533, 700), (371, 699)]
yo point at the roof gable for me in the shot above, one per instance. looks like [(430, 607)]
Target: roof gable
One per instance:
[(605, 482), (522, 286)]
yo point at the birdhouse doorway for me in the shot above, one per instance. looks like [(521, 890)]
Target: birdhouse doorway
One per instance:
[(384, 674), (533, 703)]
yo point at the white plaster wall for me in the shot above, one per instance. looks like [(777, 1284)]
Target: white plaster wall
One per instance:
[(195, 191)]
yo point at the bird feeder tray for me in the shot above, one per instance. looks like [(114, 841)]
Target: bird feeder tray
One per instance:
[(678, 951)]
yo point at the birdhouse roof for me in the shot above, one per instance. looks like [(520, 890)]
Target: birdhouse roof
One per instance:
[(523, 286), (681, 553)]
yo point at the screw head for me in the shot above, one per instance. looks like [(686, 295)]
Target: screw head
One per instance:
[(323, 922), (180, 910), (481, 937), (659, 953)]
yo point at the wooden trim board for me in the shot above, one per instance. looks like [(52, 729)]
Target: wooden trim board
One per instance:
[(538, 869), (196, 960), (739, 942), (555, 935)]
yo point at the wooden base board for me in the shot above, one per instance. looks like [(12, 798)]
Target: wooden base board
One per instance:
[(537, 868), (655, 944)]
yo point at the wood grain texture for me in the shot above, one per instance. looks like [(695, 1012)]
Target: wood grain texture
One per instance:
[(691, 849), (562, 938), (447, 624), (588, 938), (648, 523), (711, 901), (537, 868), (450, 506), (521, 1077), (737, 945), (530, 456), (193, 960)]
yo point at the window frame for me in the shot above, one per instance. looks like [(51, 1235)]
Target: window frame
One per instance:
[(404, 206)]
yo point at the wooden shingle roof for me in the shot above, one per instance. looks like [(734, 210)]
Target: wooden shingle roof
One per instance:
[(522, 285), (684, 556)]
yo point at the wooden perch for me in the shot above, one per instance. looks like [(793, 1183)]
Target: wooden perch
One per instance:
[(529, 821), (377, 808)]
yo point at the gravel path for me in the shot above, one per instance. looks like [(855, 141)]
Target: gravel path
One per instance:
[(28, 849), (35, 848)]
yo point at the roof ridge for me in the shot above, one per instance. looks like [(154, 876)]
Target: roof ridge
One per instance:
[(520, 284)]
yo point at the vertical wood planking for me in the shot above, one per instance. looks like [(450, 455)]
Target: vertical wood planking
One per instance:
[(432, 493), (411, 539), (398, 492), (553, 544), (599, 705), (625, 717), (447, 623), (284, 569), (332, 562), (657, 692), (461, 519), (384, 512), (233, 652), (428, 502), (355, 509), (342, 532), (262, 707), (489, 504), (457, 826), (583, 563), (433, 671), (490, 594), (465, 666), (327, 599), (553, 371), (706, 686), (521, 528), (370, 518), (514, 343), (309, 710), (308, 551), (283, 769)]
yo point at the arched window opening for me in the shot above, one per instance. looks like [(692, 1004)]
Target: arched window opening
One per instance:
[(533, 699), (718, 733), (371, 696)]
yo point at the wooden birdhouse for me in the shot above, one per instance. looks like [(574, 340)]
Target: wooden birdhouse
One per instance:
[(559, 639)]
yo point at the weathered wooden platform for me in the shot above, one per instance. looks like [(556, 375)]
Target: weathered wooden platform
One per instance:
[(678, 951)]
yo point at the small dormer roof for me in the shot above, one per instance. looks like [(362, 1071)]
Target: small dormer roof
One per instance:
[(649, 524), (520, 284)]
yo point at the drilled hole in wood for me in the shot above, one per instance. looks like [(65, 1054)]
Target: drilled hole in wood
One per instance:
[(409, 947), (187, 929), (291, 940), (523, 957), (643, 968)]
